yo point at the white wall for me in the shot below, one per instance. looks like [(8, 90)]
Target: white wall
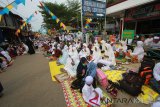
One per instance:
[(126, 5)]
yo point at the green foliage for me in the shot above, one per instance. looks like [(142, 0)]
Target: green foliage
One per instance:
[(64, 12)]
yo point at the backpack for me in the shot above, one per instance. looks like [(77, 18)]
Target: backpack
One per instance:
[(147, 63), (146, 70), (131, 83), (146, 74)]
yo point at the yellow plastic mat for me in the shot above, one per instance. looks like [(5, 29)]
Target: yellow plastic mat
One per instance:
[(54, 69), (149, 95)]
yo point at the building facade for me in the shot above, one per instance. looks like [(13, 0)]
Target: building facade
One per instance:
[(8, 26), (142, 16)]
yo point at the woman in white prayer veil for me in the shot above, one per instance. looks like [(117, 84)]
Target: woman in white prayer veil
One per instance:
[(63, 59), (103, 45), (96, 43), (109, 57), (85, 51), (138, 51), (96, 54), (124, 46), (72, 63)]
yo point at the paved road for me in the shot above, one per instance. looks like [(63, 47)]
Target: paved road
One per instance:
[(27, 83)]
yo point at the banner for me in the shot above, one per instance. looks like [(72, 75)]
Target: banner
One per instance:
[(53, 16), (6, 9), (94, 8), (25, 23), (128, 34)]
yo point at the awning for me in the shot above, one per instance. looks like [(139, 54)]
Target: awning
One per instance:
[(126, 5)]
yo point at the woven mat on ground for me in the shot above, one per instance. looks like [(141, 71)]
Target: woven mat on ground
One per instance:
[(54, 69), (73, 97)]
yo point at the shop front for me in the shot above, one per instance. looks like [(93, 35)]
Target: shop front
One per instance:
[(144, 20)]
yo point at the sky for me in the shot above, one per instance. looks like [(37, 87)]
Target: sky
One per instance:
[(29, 8)]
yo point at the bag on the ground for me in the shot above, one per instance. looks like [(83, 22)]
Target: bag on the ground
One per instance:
[(146, 74), (1, 87), (155, 85), (146, 70), (147, 63), (131, 83), (102, 78)]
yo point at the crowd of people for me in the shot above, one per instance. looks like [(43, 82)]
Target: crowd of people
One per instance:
[(81, 60), (9, 52)]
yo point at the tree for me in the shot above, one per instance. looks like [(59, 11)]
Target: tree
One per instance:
[(64, 12)]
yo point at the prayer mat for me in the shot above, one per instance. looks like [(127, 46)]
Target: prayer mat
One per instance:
[(74, 98), (61, 77), (54, 69), (148, 96)]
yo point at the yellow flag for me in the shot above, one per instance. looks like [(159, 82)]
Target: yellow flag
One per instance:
[(18, 31), (0, 18), (89, 20), (21, 27), (24, 24), (57, 20), (51, 14), (61, 24), (64, 28), (10, 6)]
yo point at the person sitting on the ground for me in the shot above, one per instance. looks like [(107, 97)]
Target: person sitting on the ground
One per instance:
[(103, 45), (148, 41), (63, 59), (120, 52), (6, 56), (108, 57), (3, 62), (156, 72), (72, 63), (84, 52), (12, 50), (156, 42), (138, 53), (90, 95), (96, 54), (91, 70), (81, 72), (56, 54)]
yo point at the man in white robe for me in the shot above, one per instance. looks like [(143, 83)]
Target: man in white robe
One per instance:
[(138, 51), (90, 95), (148, 41), (156, 72), (63, 59)]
